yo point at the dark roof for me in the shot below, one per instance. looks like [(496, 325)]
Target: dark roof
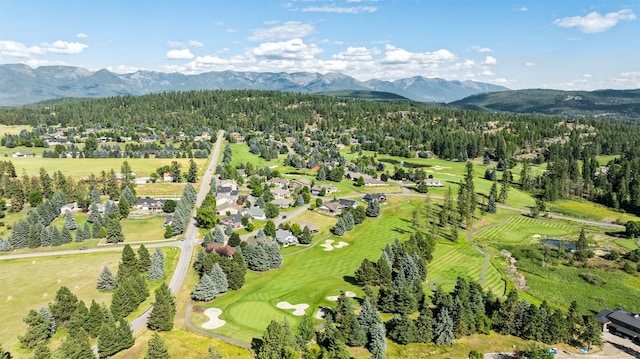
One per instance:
[(621, 316), (234, 218), (224, 190), (602, 316), (347, 202), (373, 196)]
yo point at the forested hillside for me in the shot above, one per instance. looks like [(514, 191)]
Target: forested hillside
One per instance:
[(401, 129)]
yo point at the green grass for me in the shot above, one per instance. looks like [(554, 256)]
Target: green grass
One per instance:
[(521, 229), (143, 229), (589, 210), (32, 283)]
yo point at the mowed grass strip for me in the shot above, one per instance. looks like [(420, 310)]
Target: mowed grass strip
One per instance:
[(589, 210), (521, 229)]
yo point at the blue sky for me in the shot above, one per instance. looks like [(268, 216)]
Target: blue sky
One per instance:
[(562, 44)]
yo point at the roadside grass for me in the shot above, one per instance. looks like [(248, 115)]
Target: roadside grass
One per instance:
[(82, 167), (32, 283), (143, 229), (589, 210)]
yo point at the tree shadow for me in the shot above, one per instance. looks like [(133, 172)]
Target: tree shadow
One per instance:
[(256, 344), (399, 230), (634, 353), (351, 280)]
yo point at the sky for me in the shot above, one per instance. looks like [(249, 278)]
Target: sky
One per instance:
[(560, 44)]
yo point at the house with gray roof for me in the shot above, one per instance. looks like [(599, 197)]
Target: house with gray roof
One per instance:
[(285, 237), (621, 322)]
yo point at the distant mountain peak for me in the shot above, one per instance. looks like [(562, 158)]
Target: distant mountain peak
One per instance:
[(50, 82)]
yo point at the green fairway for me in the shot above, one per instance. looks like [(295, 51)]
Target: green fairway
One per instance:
[(521, 229)]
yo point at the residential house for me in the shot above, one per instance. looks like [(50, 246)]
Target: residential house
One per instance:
[(69, 207), (370, 182), (328, 189), (375, 197), (223, 250), (347, 203), (234, 220), (20, 154), (150, 204), (279, 193), (313, 228), (279, 182), (286, 237), (300, 182), (227, 207), (167, 220), (433, 182), (332, 208), (256, 212), (142, 180), (282, 202), (620, 321), (167, 177)]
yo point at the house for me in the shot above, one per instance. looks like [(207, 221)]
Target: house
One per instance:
[(279, 193), (332, 208), (285, 237), (167, 177), (375, 197), (283, 202), (228, 183), (233, 220), (328, 189), (69, 207), (278, 182), (256, 212), (167, 220), (142, 180), (301, 182), (224, 191), (370, 182), (227, 207), (620, 321), (223, 250), (433, 182), (149, 204), (22, 154), (347, 203), (313, 228)]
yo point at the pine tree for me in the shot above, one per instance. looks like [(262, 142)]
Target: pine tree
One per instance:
[(164, 310), (339, 228), (69, 222), (219, 236), (156, 267), (205, 290), (38, 331), (106, 280), (41, 352), (424, 325), (78, 320), (95, 229), (63, 305), (157, 348), (65, 236), (402, 329), (114, 230), (305, 236), (94, 319), (107, 340), (219, 278), (348, 221), (128, 266), (76, 346), (306, 331), (378, 343), (373, 209), (144, 259), (124, 335), (94, 213), (444, 328)]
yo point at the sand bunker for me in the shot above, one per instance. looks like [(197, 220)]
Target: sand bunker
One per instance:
[(334, 298), (9, 298), (438, 168), (299, 308), (214, 322), (329, 246), (322, 312), (536, 236)]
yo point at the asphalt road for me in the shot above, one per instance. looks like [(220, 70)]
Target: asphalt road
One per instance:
[(191, 240)]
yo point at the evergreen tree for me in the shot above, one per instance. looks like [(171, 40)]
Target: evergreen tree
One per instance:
[(278, 342), (65, 236), (424, 325), (352, 332), (444, 328), (192, 175), (205, 290), (339, 228), (377, 343), (107, 340), (76, 346), (219, 236), (63, 305), (144, 260), (367, 274), (157, 348), (373, 209), (94, 319), (114, 231), (69, 221), (156, 266), (402, 329), (306, 331), (95, 229), (164, 310), (94, 213), (348, 221), (41, 352), (128, 266), (331, 341), (305, 236), (38, 330), (106, 280), (46, 314), (124, 335), (219, 278)]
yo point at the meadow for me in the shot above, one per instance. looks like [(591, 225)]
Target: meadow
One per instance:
[(32, 283)]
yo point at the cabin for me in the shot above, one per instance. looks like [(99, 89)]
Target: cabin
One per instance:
[(620, 322)]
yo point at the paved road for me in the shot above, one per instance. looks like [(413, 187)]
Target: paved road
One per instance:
[(191, 236)]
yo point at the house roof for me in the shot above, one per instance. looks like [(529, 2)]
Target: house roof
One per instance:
[(282, 235), (333, 206), (630, 319), (347, 202), (223, 250), (225, 189), (602, 316), (256, 211), (374, 196), (234, 218)]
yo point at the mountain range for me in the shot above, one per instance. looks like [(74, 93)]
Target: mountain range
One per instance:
[(21, 84)]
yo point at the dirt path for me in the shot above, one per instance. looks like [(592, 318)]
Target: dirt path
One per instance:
[(485, 265)]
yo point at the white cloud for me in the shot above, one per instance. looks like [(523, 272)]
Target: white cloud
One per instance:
[(357, 54), (292, 49), (17, 49), (466, 64), (594, 22), (487, 73), (489, 60), (123, 69), (587, 76), (183, 54), (480, 49), (341, 9), (286, 31), (171, 43), (530, 64), (395, 55), (194, 43), (82, 35), (522, 9), (629, 80)]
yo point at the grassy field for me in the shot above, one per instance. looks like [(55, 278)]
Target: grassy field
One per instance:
[(32, 283), (590, 210), (83, 167), (521, 229)]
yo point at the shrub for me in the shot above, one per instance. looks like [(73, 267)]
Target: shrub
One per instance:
[(593, 279)]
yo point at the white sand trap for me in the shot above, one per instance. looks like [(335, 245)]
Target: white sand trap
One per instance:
[(45, 295), (341, 244), (299, 308), (9, 298), (334, 298), (327, 245), (322, 313), (536, 236), (214, 322), (33, 262), (438, 168)]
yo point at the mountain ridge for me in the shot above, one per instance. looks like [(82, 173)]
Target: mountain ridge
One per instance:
[(21, 84)]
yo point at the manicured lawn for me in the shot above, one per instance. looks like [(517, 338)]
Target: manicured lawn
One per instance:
[(521, 229), (143, 229), (161, 190)]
